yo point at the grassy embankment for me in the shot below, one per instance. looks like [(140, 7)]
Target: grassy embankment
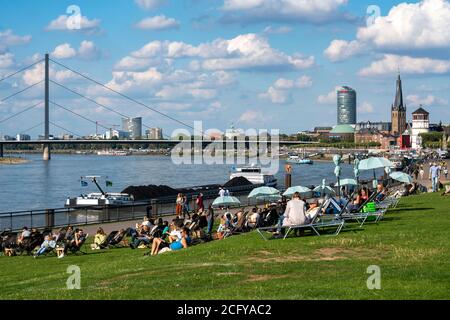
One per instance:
[(411, 246)]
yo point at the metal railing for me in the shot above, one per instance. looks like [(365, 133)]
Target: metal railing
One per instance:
[(59, 217)]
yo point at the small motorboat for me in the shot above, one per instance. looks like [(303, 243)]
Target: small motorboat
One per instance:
[(299, 160)]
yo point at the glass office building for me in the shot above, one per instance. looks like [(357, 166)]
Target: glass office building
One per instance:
[(133, 126), (346, 106)]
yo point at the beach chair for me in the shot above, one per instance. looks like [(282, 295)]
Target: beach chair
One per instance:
[(372, 213), (317, 225), (72, 248), (29, 244)]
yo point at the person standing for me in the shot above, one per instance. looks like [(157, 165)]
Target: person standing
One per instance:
[(179, 205), (199, 202), (221, 192), (434, 176), (446, 172), (186, 208), (421, 172), (210, 219)]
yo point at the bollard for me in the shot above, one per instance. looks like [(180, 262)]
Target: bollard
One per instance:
[(49, 218), (288, 176)]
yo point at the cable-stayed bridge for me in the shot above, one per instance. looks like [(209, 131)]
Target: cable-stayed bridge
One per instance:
[(46, 142)]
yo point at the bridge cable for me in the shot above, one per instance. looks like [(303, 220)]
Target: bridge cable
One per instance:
[(20, 70), (33, 127), (98, 103), (79, 115), (71, 132), (125, 96), (20, 112), (19, 92)]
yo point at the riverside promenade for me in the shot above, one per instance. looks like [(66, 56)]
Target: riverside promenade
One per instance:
[(426, 181)]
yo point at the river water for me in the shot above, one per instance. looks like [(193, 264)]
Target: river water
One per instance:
[(40, 184)]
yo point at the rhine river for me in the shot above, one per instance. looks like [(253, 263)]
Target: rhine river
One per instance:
[(39, 184)]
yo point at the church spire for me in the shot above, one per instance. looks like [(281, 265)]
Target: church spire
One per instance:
[(398, 102)]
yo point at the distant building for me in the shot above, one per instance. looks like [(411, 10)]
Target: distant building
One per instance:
[(119, 134), (385, 127), (8, 138), (385, 139), (343, 132), (322, 131), (67, 136), (154, 134), (133, 126), (398, 110), (346, 106), (420, 124), (234, 133), (23, 137)]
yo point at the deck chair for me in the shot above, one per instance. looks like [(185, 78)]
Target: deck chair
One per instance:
[(316, 225), (359, 215), (29, 244), (115, 238), (72, 248)]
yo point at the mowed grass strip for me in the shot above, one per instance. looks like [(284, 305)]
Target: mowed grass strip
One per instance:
[(411, 246)]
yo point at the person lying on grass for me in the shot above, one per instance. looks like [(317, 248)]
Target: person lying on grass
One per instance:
[(159, 245)]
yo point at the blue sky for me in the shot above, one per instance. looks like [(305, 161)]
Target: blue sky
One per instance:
[(255, 63)]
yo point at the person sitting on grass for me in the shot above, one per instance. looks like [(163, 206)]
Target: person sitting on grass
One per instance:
[(23, 235), (48, 245), (160, 246), (224, 226), (253, 219), (99, 239), (142, 237), (75, 244)]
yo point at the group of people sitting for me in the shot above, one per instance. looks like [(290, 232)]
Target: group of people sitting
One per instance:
[(65, 240), (161, 236)]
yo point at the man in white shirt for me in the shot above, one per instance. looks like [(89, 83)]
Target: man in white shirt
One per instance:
[(221, 192), (295, 213)]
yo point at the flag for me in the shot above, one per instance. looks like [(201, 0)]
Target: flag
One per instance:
[(84, 184), (109, 183)]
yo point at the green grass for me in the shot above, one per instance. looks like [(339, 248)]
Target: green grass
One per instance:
[(411, 246)]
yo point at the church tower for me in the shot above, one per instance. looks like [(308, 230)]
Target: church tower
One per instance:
[(398, 110)]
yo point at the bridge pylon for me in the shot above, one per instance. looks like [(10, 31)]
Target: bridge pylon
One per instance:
[(46, 147)]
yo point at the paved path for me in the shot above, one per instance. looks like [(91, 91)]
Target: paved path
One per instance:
[(427, 182)]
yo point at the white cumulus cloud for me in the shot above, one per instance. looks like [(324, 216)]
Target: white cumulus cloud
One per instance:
[(283, 10), (390, 64), (160, 22), (421, 29), (150, 4), (86, 26)]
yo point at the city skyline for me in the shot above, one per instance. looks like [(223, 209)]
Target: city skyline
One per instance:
[(219, 64)]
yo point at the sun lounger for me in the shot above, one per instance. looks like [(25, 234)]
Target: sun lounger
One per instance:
[(316, 225)]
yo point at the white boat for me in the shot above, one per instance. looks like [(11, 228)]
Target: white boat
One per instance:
[(255, 175), (99, 199), (112, 153), (298, 160)]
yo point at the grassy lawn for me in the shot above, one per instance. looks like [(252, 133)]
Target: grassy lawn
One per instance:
[(411, 246)]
